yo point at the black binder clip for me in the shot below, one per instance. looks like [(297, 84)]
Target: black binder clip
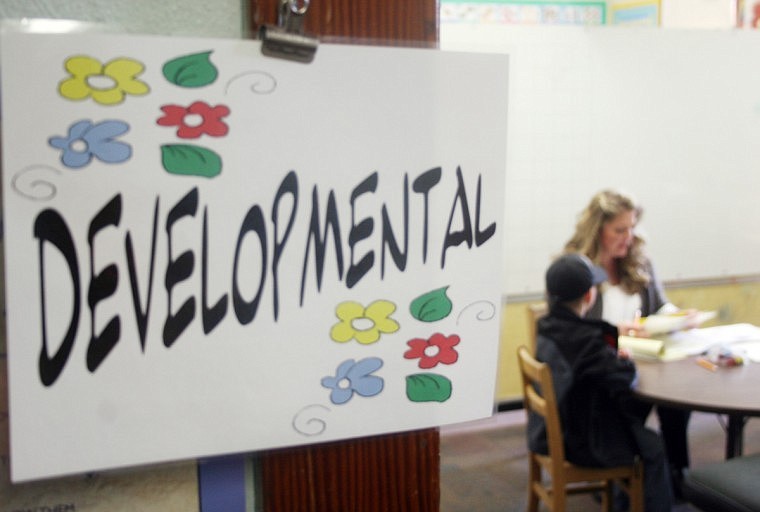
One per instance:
[(287, 40)]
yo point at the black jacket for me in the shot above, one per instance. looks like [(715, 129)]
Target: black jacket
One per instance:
[(600, 420)]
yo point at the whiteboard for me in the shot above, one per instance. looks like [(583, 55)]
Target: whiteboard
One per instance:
[(671, 117)]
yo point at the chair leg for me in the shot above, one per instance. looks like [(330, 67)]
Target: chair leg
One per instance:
[(534, 478), (636, 494), (559, 500), (532, 501), (607, 501), (559, 495)]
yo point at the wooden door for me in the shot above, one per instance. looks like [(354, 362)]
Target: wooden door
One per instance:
[(382, 22), (389, 473)]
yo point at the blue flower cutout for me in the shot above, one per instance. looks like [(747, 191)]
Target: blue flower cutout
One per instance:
[(352, 377), (86, 140)]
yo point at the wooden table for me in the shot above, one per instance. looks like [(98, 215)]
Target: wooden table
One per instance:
[(684, 384)]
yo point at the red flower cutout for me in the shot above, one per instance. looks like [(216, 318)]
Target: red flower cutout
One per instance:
[(195, 120), (437, 349)]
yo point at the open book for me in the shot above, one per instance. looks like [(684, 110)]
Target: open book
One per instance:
[(664, 347), (657, 324)]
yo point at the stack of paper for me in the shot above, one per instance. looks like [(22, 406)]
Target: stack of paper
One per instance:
[(738, 337), (742, 339), (649, 348)]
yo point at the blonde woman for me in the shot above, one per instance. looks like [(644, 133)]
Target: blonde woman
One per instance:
[(606, 233)]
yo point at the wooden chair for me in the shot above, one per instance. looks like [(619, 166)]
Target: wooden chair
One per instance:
[(565, 478), (535, 311)]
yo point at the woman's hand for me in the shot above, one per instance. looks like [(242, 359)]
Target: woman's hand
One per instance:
[(692, 318), (634, 328)]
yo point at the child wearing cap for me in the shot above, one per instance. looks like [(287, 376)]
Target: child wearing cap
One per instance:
[(602, 422)]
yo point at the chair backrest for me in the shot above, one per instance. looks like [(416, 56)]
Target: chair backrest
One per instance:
[(535, 311), (538, 392)]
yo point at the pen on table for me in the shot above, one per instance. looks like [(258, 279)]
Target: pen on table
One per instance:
[(707, 364)]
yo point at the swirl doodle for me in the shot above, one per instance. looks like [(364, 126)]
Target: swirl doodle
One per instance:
[(307, 422), (28, 184), (486, 310), (261, 83)]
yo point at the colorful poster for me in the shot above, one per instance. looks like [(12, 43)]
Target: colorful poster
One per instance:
[(524, 12), (209, 251), (639, 13)]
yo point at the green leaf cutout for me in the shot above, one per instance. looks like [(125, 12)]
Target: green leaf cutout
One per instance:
[(191, 70), (431, 306), (428, 387), (190, 160)]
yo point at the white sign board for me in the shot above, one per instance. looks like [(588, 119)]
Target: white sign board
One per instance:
[(211, 251)]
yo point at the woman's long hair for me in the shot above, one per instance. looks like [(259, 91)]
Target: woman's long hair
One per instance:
[(603, 207)]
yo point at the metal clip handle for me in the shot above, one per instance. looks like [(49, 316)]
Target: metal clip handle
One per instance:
[(291, 15), (287, 40)]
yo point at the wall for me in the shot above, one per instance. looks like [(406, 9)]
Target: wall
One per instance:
[(212, 18), (668, 116)]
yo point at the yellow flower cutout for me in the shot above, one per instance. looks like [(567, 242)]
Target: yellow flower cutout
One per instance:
[(363, 324), (106, 84)]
